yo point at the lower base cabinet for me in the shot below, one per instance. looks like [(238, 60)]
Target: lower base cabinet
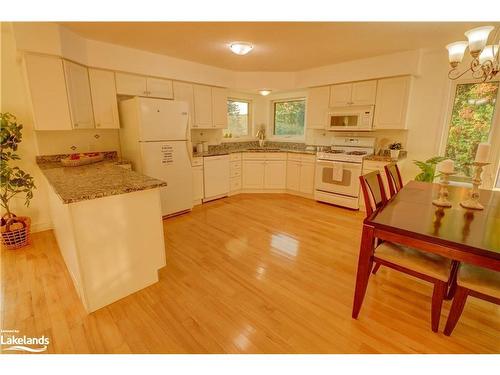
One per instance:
[(275, 174), (300, 174), (264, 171), (306, 182), (198, 193), (253, 174)]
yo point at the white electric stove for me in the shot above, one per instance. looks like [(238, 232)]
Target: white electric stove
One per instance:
[(338, 169)]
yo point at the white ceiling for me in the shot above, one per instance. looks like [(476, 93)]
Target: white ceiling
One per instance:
[(278, 46)]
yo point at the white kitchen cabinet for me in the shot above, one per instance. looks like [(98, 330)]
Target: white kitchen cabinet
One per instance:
[(103, 90), (317, 107), (340, 95), (364, 93), (131, 84), (235, 172), (219, 107), (47, 88), (356, 93), (253, 174), (159, 88), (79, 97), (136, 85), (275, 174), (306, 183), (392, 103), (293, 175), (184, 92), (197, 184), (300, 173), (202, 107)]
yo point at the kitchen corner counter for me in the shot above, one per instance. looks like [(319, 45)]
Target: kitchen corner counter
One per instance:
[(92, 181)]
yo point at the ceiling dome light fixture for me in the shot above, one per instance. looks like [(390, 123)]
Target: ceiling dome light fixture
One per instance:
[(240, 48), (485, 62), (264, 92)]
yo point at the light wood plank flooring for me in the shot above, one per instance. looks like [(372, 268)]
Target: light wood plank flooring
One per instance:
[(254, 273)]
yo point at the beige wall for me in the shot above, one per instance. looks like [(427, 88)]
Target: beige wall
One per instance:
[(15, 100)]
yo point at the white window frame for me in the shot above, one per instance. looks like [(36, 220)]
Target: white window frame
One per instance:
[(249, 136), (286, 138), (491, 172)]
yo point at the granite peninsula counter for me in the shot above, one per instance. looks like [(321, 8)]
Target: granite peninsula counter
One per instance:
[(108, 225)]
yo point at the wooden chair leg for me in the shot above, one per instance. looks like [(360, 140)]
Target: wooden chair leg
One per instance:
[(440, 288), (452, 283), (375, 268), (456, 309)]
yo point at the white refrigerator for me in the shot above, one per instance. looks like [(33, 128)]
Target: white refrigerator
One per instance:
[(154, 137)]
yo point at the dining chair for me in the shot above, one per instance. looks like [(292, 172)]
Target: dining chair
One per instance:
[(425, 266), (393, 178), (476, 282)]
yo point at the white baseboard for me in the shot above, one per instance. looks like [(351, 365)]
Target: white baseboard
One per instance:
[(40, 227)]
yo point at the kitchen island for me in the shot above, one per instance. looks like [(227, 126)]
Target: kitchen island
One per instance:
[(108, 225)]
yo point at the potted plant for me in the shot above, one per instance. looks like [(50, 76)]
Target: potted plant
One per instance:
[(428, 168), (15, 230), (395, 148)]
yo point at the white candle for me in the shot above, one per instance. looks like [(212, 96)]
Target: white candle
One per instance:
[(483, 152), (446, 166)]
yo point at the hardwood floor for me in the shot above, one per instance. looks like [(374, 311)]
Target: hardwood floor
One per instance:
[(256, 273)]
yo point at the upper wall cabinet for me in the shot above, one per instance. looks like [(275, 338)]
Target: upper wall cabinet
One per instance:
[(317, 107), (160, 88), (80, 102), (184, 92), (392, 103), (202, 107), (135, 85), (47, 87), (357, 93), (103, 90), (131, 84), (219, 107)]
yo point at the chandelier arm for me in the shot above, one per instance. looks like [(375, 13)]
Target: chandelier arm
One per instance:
[(455, 74)]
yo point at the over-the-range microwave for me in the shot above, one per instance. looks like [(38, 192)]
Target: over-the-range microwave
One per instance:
[(352, 118)]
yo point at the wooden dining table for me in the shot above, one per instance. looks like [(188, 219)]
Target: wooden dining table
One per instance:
[(410, 219)]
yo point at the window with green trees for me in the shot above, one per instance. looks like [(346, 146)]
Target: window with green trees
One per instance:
[(471, 121), (289, 117), (238, 118)]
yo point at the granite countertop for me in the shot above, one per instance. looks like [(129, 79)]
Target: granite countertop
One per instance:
[(91, 181), (384, 158), (227, 152)]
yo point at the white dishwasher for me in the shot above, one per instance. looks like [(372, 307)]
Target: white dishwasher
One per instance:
[(216, 176)]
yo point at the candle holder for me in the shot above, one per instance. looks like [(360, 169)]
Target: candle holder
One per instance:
[(442, 200), (473, 201)]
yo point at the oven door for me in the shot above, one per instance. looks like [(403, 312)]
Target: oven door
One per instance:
[(325, 180)]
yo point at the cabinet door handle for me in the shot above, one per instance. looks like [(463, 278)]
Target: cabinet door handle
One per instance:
[(98, 125), (75, 125)]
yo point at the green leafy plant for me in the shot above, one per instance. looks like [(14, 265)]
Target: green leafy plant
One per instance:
[(395, 146), (13, 180), (428, 168)]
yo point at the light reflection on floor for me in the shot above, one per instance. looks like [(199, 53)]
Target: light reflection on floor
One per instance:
[(283, 244)]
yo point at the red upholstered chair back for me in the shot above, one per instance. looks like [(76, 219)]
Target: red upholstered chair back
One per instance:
[(373, 191)]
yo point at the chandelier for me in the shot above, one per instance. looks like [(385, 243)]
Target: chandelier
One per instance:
[(485, 62)]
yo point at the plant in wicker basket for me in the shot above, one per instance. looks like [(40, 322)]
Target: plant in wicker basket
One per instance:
[(15, 230)]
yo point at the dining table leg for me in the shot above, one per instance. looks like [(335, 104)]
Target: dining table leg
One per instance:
[(365, 263)]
